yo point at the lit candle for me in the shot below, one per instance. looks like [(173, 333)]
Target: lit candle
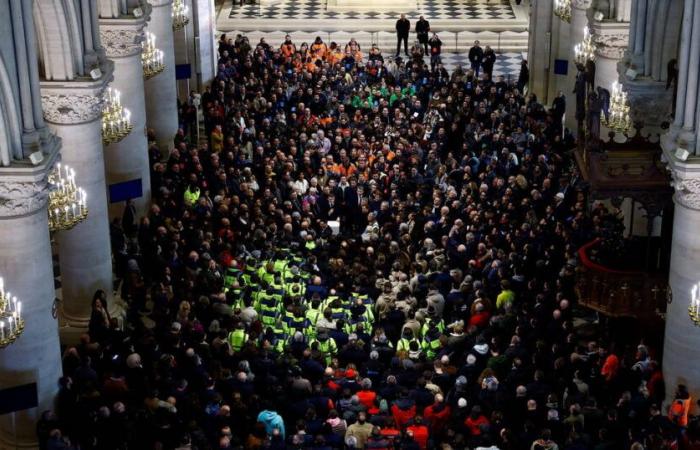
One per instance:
[(19, 310), (2, 330), (66, 210), (9, 325), (2, 287), (73, 209)]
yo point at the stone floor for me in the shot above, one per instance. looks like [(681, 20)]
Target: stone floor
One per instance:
[(431, 10)]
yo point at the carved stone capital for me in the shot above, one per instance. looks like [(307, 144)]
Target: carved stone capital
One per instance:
[(581, 4), (121, 42), (69, 109), (687, 190), (159, 3), (611, 46), (22, 198)]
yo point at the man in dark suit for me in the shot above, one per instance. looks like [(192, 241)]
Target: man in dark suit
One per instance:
[(422, 30), (476, 56), (403, 27)]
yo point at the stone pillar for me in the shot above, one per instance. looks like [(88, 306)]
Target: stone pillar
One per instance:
[(73, 109), (161, 90), (654, 36), (681, 350), (539, 53), (27, 268), (579, 21), (127, 160), (195, 45), (611, 40), (184, 46)]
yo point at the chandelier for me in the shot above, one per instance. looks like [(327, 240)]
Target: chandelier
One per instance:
[(151, 57), (585, 50), (11, 321), (562, 9), (116, 120), (619, 110), (694, 308), (67, 202), (180, 15)]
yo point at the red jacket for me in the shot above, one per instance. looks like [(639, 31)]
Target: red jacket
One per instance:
[(403, 416), (420, 435), (474, 425), (367, 398), (437, 420)]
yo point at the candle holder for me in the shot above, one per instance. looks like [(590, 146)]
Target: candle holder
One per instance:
[(151, 57), (180, 15), (116, 120), (619, 117), (694, 308), (562, 9), (11, 320), (67, 201), (585, 50)]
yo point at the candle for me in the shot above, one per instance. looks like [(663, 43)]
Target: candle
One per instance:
[(2, 287), (66, 210), (19, 310), (2, 330), (9, 325)]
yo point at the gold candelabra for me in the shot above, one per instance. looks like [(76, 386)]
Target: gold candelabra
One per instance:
[(11, 321), (180, 15), (562, 9), (619, 117), (694, 308), (67, 201), (585, 50), (116, 120), (151, 57)]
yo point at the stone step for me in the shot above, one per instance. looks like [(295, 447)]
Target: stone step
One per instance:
[(507, 41)]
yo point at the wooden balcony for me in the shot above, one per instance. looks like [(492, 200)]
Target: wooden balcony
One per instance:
[(619, 293)]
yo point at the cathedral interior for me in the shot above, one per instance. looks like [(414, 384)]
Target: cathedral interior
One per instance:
[(349, 224)]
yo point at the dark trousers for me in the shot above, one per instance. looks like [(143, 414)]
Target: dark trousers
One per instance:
[(400, 38)]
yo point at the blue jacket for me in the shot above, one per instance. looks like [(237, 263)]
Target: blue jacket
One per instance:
[(272, 420)]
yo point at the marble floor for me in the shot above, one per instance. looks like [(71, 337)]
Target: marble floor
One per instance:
[(431, 10)]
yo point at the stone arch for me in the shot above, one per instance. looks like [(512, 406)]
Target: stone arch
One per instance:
[(10, 138), (59, 39)]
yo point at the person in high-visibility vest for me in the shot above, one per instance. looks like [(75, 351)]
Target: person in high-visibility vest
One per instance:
[(237, 338), (404, 344), (326, 346), (679, 409), (191, 195)]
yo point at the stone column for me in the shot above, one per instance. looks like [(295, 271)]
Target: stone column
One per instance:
[(579, 21), (73, 110), (539, 54), (194, 45), (27, 269), (654, 37), (611, 40), (127, 160), (184, 47), (161, 90), (681, 350)]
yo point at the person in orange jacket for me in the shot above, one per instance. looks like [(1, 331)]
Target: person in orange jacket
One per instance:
[(679, 409)]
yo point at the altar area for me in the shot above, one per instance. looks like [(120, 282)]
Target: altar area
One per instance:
[(500, 24)]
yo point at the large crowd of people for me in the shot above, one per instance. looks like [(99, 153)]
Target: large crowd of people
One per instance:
[(361, 253)]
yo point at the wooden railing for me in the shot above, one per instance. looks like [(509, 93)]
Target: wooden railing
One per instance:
[(619, 293)]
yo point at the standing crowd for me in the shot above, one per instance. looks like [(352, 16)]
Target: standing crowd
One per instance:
[(364, 253)]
